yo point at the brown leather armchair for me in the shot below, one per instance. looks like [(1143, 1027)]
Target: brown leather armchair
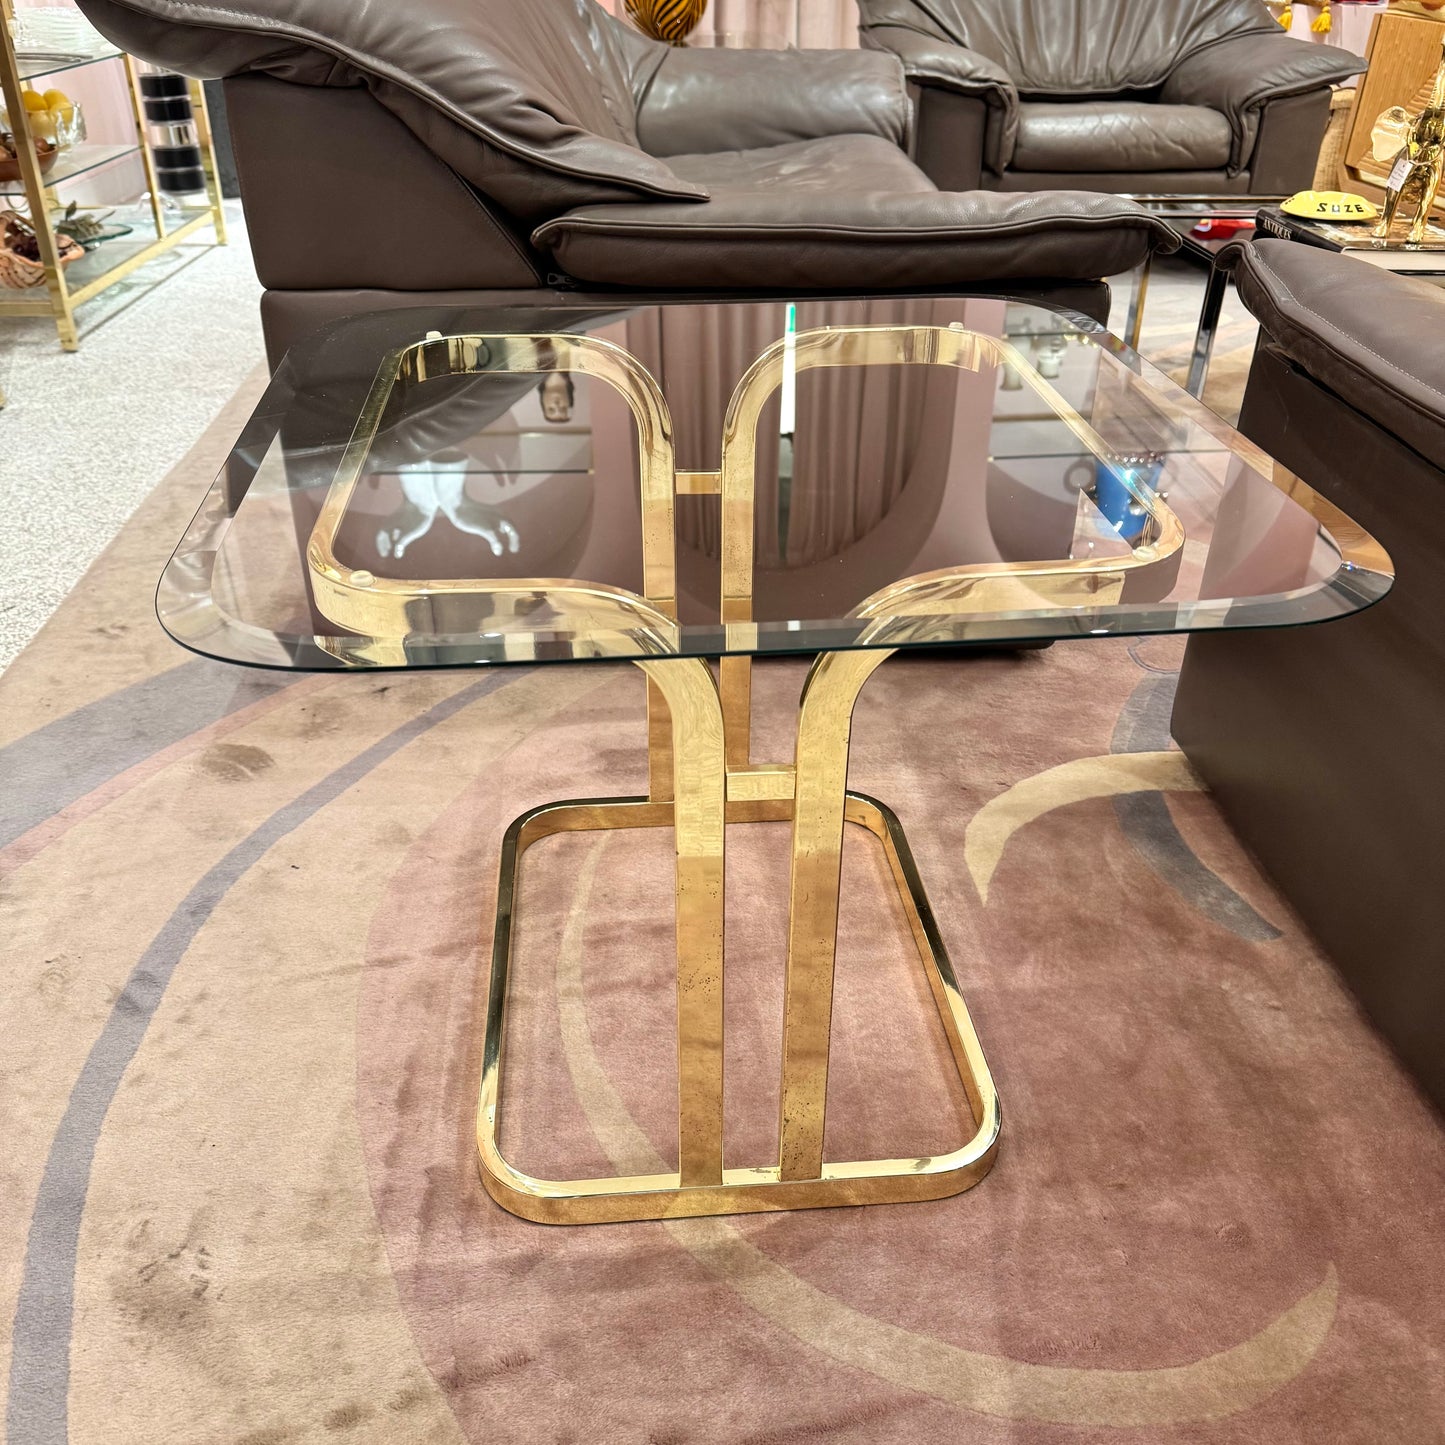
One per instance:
[(483, 151), (1181, 96), (1323, 745)]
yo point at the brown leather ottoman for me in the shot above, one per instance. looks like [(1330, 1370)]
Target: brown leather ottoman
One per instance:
[(1325, 745)]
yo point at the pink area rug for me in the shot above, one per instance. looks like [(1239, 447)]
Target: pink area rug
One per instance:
[(246, 920)]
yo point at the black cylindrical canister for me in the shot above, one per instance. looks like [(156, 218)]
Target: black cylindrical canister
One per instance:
[(168, 109), (158, 85)]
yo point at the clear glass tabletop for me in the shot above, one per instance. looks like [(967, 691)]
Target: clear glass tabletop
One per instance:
[(454, 487)]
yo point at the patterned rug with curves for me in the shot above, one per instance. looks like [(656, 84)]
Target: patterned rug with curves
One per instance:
[(245, 916)]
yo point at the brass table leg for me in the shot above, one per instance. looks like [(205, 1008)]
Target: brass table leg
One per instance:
[(824, 725), (699, 795), (713, 783)]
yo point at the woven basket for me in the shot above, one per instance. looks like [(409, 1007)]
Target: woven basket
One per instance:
[(1329, 168), (20, 273)]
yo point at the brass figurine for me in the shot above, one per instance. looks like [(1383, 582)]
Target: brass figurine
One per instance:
[(1417, 162)]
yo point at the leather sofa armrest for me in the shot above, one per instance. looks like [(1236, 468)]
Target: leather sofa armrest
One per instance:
[(1240, 75), (699, 101), (929, 61), (833, 240), (1371, 337)]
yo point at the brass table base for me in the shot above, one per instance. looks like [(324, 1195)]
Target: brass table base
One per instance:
[(748, 1190), (700, 773)]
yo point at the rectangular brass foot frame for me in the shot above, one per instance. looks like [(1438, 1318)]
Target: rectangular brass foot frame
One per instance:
[(732, 1190)]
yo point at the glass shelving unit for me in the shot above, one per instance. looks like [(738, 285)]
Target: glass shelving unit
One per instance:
[(67, 287)]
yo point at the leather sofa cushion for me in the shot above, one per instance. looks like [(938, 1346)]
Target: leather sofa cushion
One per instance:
[(547, 85), (782, 214), (832, 165), (1370, 337), (1077, 47), (1119, 135)]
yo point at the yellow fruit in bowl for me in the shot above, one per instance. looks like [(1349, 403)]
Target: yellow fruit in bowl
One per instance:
[(53, 116), (59, 104)]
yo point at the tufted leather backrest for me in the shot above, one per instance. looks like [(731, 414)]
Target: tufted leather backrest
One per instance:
[(499, 88), (1077, 47)]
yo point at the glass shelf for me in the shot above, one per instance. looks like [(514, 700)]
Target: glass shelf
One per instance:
[(75, 162), (43, 65), (111, 255), (55, 49)]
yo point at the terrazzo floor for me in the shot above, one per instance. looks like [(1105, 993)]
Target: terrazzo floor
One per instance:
[(86, 435)]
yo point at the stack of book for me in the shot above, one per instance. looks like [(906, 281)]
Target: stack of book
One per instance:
[(1356, 240)]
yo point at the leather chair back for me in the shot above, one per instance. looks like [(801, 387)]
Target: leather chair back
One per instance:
[(1078, 47)]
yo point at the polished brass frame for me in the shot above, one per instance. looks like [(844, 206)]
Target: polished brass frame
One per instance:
[(702, 778)]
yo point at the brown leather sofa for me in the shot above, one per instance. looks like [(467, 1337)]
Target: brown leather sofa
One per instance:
[(1196, 96), (1324, 745), (467, 152)]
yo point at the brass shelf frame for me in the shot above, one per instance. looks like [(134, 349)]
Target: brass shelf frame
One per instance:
[(41, 193), (701, 775)]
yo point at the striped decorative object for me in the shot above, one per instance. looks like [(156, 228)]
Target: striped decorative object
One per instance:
[(669, 20)]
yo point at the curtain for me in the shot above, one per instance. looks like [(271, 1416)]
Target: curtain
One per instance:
[(870, 458)]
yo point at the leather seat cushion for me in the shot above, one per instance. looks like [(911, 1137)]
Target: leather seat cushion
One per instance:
[(1119, 135), (830, 164), (846, 213), (1370, 337)]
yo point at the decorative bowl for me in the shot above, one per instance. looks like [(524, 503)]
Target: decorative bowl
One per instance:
[(46, 152)]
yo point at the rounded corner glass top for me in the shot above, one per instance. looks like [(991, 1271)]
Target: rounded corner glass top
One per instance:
[(449, 486)]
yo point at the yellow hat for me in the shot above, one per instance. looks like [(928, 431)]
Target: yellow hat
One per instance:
[(1330, 206)]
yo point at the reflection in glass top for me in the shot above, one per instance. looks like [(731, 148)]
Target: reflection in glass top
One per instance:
[(456, 487)]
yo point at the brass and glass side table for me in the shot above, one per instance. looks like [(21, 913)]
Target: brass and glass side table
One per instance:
[(693, 488)]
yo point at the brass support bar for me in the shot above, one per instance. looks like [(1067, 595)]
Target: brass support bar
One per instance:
[(699, 484), (699, 781), (761, 784), (396, 607), (824, 726), (147, 156), (36, 190), (735, 679), (205, 140), (659, 745), (1134, 327)]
